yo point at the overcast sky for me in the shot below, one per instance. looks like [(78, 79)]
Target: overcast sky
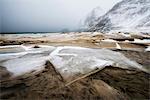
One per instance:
[(46, 15)]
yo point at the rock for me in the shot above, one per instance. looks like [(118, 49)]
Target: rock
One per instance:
[(4, 74)]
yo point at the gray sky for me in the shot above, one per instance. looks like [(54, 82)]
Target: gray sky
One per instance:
[(46, 15)]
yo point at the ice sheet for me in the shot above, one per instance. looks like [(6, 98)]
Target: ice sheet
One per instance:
[(19, 66), (68, 60), (148, 48), (142, 41), (33, 59), (72, 60)]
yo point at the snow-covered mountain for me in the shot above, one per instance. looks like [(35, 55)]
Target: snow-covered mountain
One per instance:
[(93, 16), (126, 16), (90, 18)]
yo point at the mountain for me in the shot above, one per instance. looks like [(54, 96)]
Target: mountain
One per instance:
[(93, 16), (126, 16), (90, 19)]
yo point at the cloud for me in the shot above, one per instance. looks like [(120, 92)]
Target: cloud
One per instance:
[(46, 15)]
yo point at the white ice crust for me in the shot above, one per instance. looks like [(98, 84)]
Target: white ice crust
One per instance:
[(68, 60), (33, 59), (73, 60), (148, 48)]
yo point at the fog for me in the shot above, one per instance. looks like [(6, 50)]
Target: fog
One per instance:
[(46, 15)]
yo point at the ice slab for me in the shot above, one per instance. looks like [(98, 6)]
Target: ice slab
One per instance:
[(68, 60), (141, 41), (108, 40), (33, 59), (73, 60), (148, 48), (19, 66)]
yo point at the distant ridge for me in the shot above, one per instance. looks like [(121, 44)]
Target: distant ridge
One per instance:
[(126, 16)]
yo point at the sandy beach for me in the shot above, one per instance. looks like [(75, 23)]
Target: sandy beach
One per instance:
[(74, 65)]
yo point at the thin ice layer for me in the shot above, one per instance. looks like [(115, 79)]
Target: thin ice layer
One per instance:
[(148, 48), (25, 64), (33, 59), (73, 60), (67, 60)]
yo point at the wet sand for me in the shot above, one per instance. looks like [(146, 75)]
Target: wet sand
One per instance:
[(109, 83)]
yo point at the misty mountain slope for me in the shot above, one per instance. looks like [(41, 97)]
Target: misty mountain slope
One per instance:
[(127, 15), (93, 16)]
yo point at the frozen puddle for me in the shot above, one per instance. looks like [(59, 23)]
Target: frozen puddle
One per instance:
[(67, 60), (74, 60)]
